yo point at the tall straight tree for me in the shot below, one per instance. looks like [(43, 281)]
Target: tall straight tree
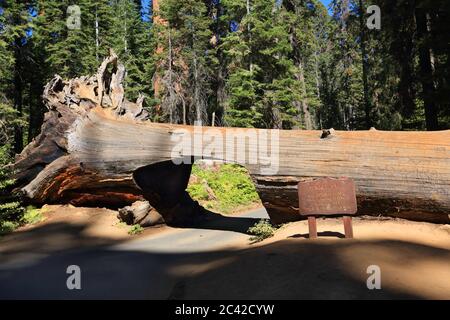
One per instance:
[(426, 72), (186, 61), (14, 48), (133, 42), (364, 58), (261, 84), (69, 48), (306, 30)]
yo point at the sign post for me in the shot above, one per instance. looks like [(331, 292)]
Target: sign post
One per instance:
[(328, 197)]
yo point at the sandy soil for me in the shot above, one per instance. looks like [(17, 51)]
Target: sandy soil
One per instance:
[(413, 257), (66, 227)]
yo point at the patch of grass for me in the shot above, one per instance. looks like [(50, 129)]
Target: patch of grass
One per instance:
[(135, 229), (261, 230), (224, 189), (121, 224), (7, 227), (198, 192), (32, 215), (14, 216)]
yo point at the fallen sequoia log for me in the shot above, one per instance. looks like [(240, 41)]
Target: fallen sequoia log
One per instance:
[(97, 148)]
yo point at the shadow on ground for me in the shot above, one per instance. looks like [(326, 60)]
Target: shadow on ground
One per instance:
[(295, 268), (331, 234), (215, 221)]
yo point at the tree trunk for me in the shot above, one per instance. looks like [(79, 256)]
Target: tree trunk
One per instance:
[(365, 68), (304, 102), (316, 73), (18, 96), (97, 41), (101, 151), (426, 71)]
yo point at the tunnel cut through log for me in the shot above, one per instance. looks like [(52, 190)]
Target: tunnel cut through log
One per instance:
[(164, 185)]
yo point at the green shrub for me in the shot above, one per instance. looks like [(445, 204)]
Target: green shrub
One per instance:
[(261, 230), (7, 227), (135, 229), (230, 184), (32, 215), (198, 192), (11, 209)]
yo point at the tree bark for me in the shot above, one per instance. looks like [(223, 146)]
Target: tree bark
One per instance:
[(95, 151)]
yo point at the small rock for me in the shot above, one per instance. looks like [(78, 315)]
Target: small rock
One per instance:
[(140, 212)]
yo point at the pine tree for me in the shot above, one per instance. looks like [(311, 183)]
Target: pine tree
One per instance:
[(261, 84), (103, 25), (319, 54), (104, 18), (13, 56), (342, 98), (133, 42), (14, 48), (69, 51), (307, 22), (186, 60)]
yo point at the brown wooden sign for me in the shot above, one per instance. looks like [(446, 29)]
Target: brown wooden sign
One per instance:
[(327, 196)]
